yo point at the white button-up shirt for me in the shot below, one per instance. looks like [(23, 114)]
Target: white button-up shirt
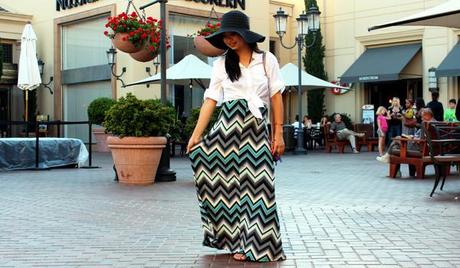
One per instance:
[(251, 86)]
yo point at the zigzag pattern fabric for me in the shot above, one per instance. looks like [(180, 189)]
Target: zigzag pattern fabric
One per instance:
[(234, 175)]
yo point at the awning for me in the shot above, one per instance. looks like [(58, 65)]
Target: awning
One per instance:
[(446, 15), (383, 64), (450, 66)]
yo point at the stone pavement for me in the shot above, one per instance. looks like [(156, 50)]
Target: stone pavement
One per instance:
[(336, 211)]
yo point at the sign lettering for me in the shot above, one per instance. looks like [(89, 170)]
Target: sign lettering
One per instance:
[(68, 4), (224, 3)]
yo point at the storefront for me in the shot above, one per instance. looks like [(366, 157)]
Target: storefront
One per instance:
[(73, 47), (387, 72)]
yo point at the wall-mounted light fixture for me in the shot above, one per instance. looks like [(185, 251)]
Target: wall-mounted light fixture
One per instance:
[(112, 59), (432, 80), (41, 68)]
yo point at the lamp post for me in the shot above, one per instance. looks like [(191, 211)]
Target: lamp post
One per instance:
[(164, 173), (308, 21)]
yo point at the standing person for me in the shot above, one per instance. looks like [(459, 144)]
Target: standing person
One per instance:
[(409, 120), (234, 163), (449, 113), (436, 107), (457, 110), (395, 115), (382, 128), (419, 105)]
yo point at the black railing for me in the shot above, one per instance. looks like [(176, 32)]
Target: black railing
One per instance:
[(58, 124)]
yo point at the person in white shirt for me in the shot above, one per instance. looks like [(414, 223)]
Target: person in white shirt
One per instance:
[(296, 126), (233, 164)]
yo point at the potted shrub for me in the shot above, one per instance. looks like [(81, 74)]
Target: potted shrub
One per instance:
[(96, 113), (202, 45), (138, 128)]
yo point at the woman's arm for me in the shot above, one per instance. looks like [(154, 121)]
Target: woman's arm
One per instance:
[(203, 120), (277, 124)]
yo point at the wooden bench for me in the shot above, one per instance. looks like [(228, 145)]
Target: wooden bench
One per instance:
[(444, 146), (331, 141), (368, 140), (417, 160)]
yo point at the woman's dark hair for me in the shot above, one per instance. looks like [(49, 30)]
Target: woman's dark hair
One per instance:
[(232, 62), (419, 103)]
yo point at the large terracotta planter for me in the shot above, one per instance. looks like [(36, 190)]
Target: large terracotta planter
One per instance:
[(101, 140), (143, 55), (136, 158), (205, 48), (125, 46)]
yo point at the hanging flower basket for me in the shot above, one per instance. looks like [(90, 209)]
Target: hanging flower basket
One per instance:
[(144, 55), (121, 42), (202, 45)]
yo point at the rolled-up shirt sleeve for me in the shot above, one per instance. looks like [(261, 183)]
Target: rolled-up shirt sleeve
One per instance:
[(274, 73), (215, 90)]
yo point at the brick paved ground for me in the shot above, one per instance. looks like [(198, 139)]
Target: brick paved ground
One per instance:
[(336, 211)]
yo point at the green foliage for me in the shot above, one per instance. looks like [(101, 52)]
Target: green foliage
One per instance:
[(130, 116), (97, 109), (345, 118), (193, 119), (314, 65)]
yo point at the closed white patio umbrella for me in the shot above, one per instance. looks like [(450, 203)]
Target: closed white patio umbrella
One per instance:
[(29, 74)]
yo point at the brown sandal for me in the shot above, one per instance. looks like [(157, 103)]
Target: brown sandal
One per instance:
[(239, 257)]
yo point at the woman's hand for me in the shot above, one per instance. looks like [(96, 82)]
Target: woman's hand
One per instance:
[(192, 142), (277, 147)]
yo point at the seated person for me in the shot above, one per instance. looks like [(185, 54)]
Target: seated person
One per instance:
[(296, 126), (307, 121), (343, 133), (427, 116)]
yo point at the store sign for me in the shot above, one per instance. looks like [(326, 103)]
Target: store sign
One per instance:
[(224, 3), (369, 78), (68, 4)]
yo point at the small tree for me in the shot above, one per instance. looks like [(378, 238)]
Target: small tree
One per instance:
[(314, 65)]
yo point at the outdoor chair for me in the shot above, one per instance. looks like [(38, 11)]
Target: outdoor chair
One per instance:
[(331, 141), (444, 147), (369, 140)]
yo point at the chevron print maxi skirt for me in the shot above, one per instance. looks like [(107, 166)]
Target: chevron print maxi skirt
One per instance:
[(234, 175)]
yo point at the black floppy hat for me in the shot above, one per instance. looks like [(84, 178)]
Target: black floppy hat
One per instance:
[(234, 21)]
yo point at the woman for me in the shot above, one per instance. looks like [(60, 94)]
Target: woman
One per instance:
[(408, 127), (395, 124), (307, 121), (419, 105), (234, 164)]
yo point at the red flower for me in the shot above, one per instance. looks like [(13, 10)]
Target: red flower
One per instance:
[(151, 48), (134, 15), (106, 33), (131, 33), (124, 38), (144, 35)]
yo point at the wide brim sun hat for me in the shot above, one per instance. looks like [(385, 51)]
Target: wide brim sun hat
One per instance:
[(234, 21)]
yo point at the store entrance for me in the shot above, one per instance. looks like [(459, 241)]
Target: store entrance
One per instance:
[(380, 94)]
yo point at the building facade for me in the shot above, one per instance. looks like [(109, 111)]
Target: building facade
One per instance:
[(73, 47)]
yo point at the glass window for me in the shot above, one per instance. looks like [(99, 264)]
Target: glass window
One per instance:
[(84, 44), (7, 53)]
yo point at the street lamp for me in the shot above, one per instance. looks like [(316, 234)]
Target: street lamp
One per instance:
[(112, 59), (41, 68), (306, 22)]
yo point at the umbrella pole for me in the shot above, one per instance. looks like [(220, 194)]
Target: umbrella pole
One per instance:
[(27, 106), (26, 117)]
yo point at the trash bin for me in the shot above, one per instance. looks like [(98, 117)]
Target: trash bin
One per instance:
[(288, 136)]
